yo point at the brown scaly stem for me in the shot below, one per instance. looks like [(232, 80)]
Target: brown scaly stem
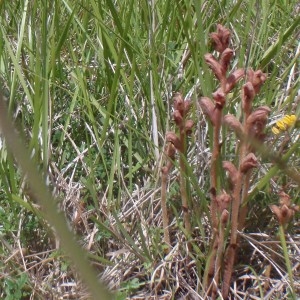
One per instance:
[(223, 221), (165, 216), (214, 170), (242, 194), (247, 108), (213, 205), (250, 89), (215, 113), (253, 126), (183, 191), (179, 142), (230, 255), (170, 153), (244, 207)]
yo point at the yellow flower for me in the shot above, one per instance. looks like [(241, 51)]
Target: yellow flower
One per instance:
[(284, 124), (275, 130)]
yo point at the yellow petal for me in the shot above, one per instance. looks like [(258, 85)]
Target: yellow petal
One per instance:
[(292, 119), (281, 124), (275, 130)]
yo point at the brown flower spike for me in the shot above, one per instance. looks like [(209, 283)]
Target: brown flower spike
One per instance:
[(221, 38), (177, 141), (285, 210), (251, 128)]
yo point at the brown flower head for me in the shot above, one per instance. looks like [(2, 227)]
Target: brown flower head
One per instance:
[(188, 127), (223, 201), (248, 94), (248, 162), (233, 173), (233, 78), (257, 121), (225, 59), (220, 38), (234, 124), (283, 213), (215, 66), (178, 118), (170, 151), (165, 170), (187, 105), (174, 139), (208, 108), (224, 217), (220, 98), (286, 213), (284, 199), (179, 103), (257, 78), (286, 210)]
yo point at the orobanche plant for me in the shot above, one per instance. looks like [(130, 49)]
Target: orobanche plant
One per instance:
[(228, 206)]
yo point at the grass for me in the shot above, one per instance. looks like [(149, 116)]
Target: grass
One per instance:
[(89, 85)]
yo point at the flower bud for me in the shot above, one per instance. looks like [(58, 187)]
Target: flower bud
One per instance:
[(225, 59), (224, 216), (257, 78), (223, 201), (170, 151), (188, 127), (248, 94), (179, 103), (220, 38), (177, 118), (187, 105), (219, 97), (234, 124), (232, 171), (285, 199), (248, 162), (173, 138), (257, 120), (215, 66), (233, 78), (207, 107)]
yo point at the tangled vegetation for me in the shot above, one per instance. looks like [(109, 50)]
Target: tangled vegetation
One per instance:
[(149, 149)]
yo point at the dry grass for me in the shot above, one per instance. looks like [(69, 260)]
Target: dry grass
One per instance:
[(95, 124)]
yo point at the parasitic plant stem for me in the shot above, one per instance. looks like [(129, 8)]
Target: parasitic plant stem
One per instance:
[(178, 141), (252, 128), (170, 153)]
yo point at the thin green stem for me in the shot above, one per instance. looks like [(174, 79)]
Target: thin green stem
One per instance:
[(287, 259)]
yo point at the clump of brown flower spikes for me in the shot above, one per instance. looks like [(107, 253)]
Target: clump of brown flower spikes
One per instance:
[(249, 131), (228, 207)]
